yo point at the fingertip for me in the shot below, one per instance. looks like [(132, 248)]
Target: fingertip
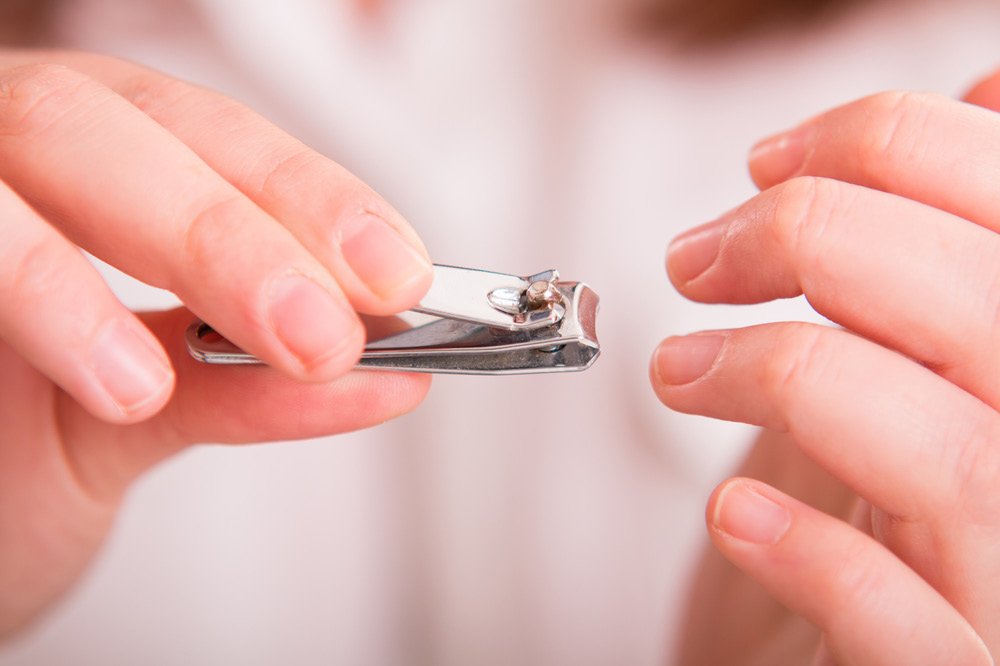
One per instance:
[(321, 334), (379, 259), (144, 410), (397, 221), (749, 511), (682, 360), (338, 359), (692, 253), (654, 372), (133, 377), (403, 393), (422, 382), (388, 259), (779, 157)]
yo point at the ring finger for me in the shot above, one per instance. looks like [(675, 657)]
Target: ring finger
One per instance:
[(904, 274), (839, 396)]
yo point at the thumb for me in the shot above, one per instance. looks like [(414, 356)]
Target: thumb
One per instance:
[(226, 404)]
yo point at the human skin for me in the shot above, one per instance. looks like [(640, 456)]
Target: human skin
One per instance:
[(891, 192), (275, 245), (884, 213)]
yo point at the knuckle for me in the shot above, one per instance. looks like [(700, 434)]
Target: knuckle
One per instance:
[(893, 131), (153, 94), (975, 466), (812, 222), (276, 167), (37, 270), (293, 172), (288, 171), (799, 358), (208, 227), (33, 97), (804, 210), (858, 582), (223, 115), (174, 103)]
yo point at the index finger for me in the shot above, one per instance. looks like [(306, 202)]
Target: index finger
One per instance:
[(374, 254), (924, 147)]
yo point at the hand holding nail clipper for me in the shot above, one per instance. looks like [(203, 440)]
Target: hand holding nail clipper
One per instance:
[(279, 247)]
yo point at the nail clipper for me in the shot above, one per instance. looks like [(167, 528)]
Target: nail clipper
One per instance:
[(470, 322)]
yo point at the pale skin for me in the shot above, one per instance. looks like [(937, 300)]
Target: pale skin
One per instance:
[(882, 212), (278, 247), (885, 214)]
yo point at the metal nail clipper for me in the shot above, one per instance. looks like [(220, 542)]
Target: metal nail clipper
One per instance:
[(470, 322)]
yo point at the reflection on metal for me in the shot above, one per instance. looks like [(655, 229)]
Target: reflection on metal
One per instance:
[(470, 322)]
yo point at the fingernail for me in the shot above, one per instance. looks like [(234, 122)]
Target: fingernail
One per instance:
[(380, 256), (129, 368), (309, 321), (691, 253), (682, 360), (745, 514), (780, 157)]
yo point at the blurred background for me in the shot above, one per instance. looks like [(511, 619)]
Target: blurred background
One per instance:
[(515, 135)]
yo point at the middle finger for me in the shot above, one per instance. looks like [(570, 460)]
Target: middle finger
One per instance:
[(904, 274)]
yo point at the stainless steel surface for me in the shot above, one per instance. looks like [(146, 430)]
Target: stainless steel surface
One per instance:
[(485, 297), (459, 328)]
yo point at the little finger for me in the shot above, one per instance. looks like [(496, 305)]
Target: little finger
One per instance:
[(871, 608)]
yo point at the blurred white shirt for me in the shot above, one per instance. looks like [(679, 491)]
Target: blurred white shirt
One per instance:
[(516, 135)]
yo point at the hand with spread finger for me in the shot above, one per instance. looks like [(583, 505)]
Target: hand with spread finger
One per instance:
[(885, 214), (275, 245)]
